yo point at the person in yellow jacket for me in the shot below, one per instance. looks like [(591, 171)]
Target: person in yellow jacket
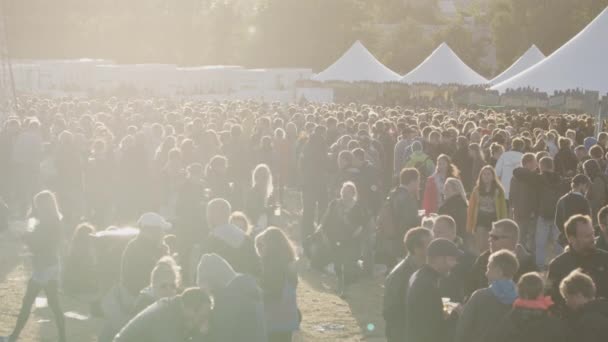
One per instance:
[(486, 205)]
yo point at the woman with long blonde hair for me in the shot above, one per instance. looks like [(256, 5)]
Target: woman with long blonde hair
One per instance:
[(279, 282), (455, 204), (487, 204)]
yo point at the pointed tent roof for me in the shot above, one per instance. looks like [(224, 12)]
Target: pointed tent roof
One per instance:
[(443, 66), (357, 64), (580, 63), (528, 59)]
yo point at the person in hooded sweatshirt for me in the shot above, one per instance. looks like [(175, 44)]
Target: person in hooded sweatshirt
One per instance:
[(395, 287), (143, 252), (508, 162), (178, 318), (228, 240), (164, 282), (589, 318), (238, 311), (489, 305), (530, 319)]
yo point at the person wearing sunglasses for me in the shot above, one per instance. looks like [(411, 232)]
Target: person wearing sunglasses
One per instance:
[(504, 235)]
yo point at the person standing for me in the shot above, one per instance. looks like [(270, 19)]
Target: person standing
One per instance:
[(279, 283), (395, 287), (398, 214), (486, 205), (228, 240), (454, 285), (597, 194), (589, 318), (508, 162), (408, 136), (523, 199), (425, 317), (434, 188), (258, 198), (44, 241), (582, 254), (489, 305), (342, 225), (313, 168), (573, 203), (549, 187), (601, 242), (455, 205), (565, 159)]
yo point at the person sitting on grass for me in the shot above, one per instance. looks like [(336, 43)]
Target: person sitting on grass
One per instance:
[(530, 319), (177, 318)]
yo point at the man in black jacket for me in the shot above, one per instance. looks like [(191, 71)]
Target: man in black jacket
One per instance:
[(398, 214), (601, 241), (580, 254), (589, 318), (549, 187), (395, 287), (572, 203), (454, 285), (504, 235), (425, 317), (523, 199)]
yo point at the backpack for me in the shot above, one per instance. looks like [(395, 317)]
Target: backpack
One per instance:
[(423, 170), (550, 195), (386, 225)]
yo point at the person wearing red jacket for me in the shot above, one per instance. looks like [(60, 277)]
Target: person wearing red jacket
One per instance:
[(433, 192)]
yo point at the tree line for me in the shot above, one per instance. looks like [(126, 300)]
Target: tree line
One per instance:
[(287, 33)]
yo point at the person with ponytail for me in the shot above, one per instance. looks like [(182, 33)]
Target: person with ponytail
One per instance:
[(279, 282)]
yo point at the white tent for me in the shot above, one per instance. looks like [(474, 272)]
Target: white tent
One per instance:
[(527, 60), (357, 64), (443, 66), (580, 63)]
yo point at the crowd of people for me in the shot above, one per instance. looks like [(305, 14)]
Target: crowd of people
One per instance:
[(169, 216)]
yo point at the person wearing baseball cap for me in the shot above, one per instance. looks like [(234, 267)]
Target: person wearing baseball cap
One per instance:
[(425, 319)]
